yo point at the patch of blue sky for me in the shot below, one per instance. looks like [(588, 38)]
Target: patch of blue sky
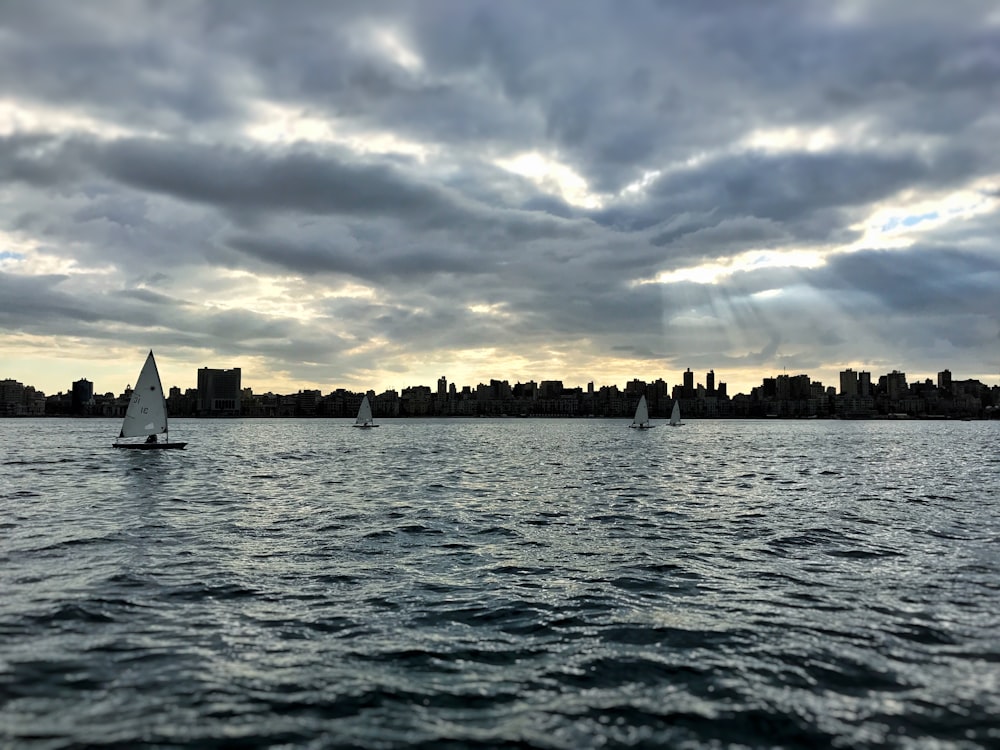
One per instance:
[(909, 221), (10, 255)]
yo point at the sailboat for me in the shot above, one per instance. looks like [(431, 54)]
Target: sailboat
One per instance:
[(365, 415), (146, 415), (675, 415), (641, 419)]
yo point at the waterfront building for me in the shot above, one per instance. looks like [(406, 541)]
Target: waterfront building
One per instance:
[(549, 389), (895, 385), (688, 383), (83, 397), (19, 400), (944, 380), (306, 402), (848, 383), (219, 392), (864, 384)]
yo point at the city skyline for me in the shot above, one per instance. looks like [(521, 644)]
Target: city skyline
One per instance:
[(698, 379), (371, 195)]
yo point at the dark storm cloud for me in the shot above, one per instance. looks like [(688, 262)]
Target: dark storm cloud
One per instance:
[(35, 301), (369, 263), (790, 188), (926, 280)]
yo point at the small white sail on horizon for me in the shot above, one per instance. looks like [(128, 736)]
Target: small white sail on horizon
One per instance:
[(675, 415), (146, 414), (364, 418), (641, 419)]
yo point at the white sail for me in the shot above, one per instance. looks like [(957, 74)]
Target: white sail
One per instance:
[(641, 418), (147, 411), (675, 415), (364, 414)]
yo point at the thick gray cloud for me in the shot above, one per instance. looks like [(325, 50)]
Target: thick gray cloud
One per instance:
[(288, 182)]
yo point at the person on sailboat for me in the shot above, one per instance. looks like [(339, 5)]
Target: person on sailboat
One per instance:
[(151, 438)]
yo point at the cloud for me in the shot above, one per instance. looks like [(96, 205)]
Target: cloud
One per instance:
[(372, 195)]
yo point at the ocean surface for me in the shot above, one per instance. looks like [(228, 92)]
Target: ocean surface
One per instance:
[(536, 583)]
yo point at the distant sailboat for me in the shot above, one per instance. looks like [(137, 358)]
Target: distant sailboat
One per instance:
[(146, 415), (675, 415), (365, 414), (641, 419)]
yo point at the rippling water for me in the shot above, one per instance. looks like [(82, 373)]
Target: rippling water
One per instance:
[(482, 583)]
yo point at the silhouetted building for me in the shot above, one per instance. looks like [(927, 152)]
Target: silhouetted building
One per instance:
[(219, 392), (944, 380), (19, 400), (848, 383), (710, 382), (635, 388), (688, 383), (864, 384), (550, 389), (895, 385), (306, 402), (83, 397), (442, 386)]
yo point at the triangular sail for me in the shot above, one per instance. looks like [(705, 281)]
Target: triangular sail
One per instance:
[(641, 418), (147, 411), (675, 415), (364, 413)]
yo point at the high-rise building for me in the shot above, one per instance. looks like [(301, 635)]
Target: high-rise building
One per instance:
[(864, 384), (11, 398), (442, 386), (688, 383), (896, 385), (798, 387), (83, 396), (944, 380), (783, 387), (550, 388), (710, 382), (848, 383), (219, 391)]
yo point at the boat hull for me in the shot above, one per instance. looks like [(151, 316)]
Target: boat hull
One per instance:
[(149, 446)]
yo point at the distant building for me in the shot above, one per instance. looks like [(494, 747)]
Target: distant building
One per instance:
[(526, 391), (550, 389), (848, 383), (442, 386), (306, 402), (710, 382), (635, 388), (83, 397), (19, 400), (219, 392), (944, 380), (895, 385), (864, 384), (688, 383)]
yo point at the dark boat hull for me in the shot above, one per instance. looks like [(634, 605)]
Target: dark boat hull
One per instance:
[(148, 446)]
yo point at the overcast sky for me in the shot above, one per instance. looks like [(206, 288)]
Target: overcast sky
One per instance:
[(375, 194)]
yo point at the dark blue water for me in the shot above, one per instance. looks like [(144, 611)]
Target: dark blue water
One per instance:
[(488, 583)]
